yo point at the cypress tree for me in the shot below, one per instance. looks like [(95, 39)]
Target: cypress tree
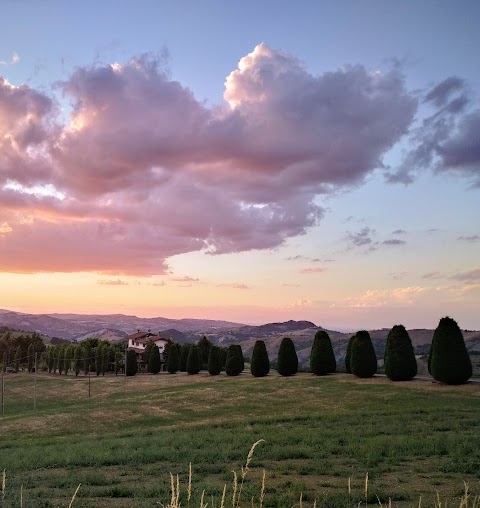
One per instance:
[(194, 360), (240, 356), (184, 356), (30, 357), (287, 362), (322, 358), (78, 358), (260, 365), (131, 369), (450, 361), (146, 355), (17, 359), (399, 360), (363, 360), (348, 355), (50, 358), (173, 361), (154, 362), (98, 359), (233, 365), (214, 361), (4, 361)]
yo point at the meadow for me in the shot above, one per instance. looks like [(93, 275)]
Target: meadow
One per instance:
[(414, 439)]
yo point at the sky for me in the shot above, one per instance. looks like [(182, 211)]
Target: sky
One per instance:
[(248, 161)]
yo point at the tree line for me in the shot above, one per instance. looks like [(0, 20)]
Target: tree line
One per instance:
[(448, 359)]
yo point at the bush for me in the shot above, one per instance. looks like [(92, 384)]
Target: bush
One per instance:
[(131, 363), (260, 365), (214, 361), (184, 356), (449, 360), (173, 359), (287, 362), (154, 362), (363, 360), (194, 360), (399, 360), (240, 355), (348, 355), (322, 358), (233, 365)]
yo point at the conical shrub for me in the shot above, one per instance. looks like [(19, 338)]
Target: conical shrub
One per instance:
[(173, 359), (348, 355), (240, 356), (131, 368), (287, 362), (450, 362), (194, 361), (363, 360), (234, 363), (399, 360), (260, 365), (214, 361), (154, 362), (322, 358)]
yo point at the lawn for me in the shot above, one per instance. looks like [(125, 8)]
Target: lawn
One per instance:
[(412, 438)]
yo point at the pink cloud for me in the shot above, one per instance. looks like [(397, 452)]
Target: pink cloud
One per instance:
[(143, 171), (313, 270), (184, 279), (234, 285)]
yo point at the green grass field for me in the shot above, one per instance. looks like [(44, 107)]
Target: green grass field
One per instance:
[(412, 438)]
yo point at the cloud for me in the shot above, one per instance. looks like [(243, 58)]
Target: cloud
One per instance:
[(300, 303), (473, 238), (398, 297), (15, 58), (313, 270), (467, 276), (398, 275), (234, 285), (432, 275), (361, 238), (109, 282), (143, 171), (399, 232), (447, 140), (186, 278), (394, 241)]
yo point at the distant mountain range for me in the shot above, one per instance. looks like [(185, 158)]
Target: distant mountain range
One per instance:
[(115, 327)]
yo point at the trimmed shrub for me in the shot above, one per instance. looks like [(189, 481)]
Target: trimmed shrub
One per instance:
[(287, 362), (322, 358), (450, 362), (154, 362), (363, 360), (399, 360), (260, 365), (131, 363), (194, 360), (214, 361), (233, 365), (173, 359), (240, 355), (184, 356), (348, 355)]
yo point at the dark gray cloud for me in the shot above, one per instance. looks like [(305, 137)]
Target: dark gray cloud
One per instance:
[(394, 241), (467, 276), (441, 93), (362, 237), (399, 232), (473, 238)]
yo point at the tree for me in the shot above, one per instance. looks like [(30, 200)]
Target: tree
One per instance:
[(78, 359), (69, 352), (146, 354), (240, 355), (87, 347), (363, 360), (233, 366), (214, 361), (287, 362), (348, 355), (173, 362), (30, 356), (260, 365), (204, 345), (322, 358), (450, 362), (131, 368), (184, 356), (194, 360), (4, 361), (18, 358), (399, 360), (154, 362)]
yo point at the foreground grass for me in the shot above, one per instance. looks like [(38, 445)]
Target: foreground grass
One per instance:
[(412, 438)]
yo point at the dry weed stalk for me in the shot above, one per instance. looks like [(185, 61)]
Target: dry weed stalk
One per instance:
[(4, 482), (245, 470), (366, 490), (74, 496)]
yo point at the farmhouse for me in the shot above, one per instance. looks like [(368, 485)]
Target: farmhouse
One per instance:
[(138, 342)]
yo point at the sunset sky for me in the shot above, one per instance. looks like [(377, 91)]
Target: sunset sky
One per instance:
[(249, 161)]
